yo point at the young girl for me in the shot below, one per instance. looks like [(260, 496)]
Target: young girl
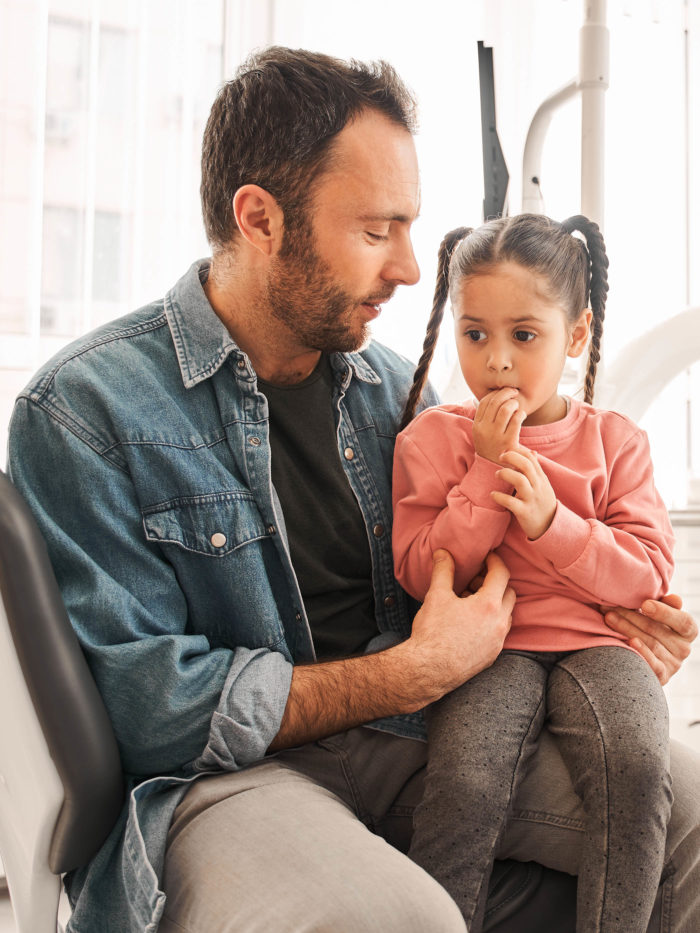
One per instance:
[(564, 493)]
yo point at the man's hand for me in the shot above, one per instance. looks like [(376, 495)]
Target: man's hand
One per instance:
[(454, 637), (534, 502), (497, 423), (662, 632)]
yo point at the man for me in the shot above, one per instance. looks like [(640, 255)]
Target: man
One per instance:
[(212, 474)]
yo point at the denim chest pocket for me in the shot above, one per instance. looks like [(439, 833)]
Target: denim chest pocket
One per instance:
[(223, 557), (212, 526)]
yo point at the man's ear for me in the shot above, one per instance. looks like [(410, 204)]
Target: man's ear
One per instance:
[(259, 218), (580, 333)]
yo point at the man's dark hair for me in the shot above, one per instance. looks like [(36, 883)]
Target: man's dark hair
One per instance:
[(273, 125)]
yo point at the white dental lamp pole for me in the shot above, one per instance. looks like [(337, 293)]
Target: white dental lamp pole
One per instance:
[(594, 79), (592, 83)]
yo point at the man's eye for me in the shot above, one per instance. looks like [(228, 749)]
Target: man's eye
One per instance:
[(377, 236), (476, 335), (524, 336)]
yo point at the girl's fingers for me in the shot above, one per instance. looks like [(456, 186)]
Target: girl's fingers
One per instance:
[(525, 462), (488, 408), (519, 481), (506, 501), (505, 413)]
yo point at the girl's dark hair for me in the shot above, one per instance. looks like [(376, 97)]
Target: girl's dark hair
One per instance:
[(577, 273), (274, 123)]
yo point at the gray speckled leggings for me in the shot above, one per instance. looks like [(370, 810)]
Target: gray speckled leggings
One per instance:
[(609, 715)]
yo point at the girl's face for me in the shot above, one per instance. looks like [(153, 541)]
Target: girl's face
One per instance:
[(510, 332)]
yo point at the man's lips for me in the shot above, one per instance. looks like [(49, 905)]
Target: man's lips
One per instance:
[(372, 311)]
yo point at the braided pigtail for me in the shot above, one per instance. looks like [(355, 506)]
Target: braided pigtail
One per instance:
[(597, 291), (442, 288)]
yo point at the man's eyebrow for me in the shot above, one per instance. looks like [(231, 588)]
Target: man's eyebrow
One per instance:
[(388, 218)]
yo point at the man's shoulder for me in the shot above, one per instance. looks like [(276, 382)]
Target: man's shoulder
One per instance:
[(104, 354), (106, 386)]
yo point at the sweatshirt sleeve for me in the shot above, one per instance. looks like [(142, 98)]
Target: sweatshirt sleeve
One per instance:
[(627, 557), (436, 507)]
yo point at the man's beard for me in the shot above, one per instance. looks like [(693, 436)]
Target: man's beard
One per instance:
[(302, 295)]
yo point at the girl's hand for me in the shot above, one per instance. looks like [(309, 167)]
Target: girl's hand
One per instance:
[(497, 423), (533, 503)]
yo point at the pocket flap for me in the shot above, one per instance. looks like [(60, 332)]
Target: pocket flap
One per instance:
[(213, 525)]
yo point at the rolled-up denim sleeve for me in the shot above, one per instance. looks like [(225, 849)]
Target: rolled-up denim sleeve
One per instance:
[(250, 709), (175, 701)]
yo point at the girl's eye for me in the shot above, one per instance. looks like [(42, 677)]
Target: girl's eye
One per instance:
[(524, 336), (476, 335)]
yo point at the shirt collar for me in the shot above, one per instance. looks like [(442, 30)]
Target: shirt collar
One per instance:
[(203, 344), (358, 366)]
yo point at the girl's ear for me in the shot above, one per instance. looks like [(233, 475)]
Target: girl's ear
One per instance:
[(580, 333), (259, 218)]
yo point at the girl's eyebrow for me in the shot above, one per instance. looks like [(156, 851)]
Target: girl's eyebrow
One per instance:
[(526, 319)]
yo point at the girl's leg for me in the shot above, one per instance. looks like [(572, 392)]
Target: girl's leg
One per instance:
[(609, 715), (479, 738)]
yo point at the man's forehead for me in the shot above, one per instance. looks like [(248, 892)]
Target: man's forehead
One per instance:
[(373, 168)]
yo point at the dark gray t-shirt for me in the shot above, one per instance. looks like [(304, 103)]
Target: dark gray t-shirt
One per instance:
[(326, 530)]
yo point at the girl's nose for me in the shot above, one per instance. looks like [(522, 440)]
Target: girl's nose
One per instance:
[(499, 362)]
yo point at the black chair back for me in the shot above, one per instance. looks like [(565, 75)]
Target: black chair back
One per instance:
[(69, 708)]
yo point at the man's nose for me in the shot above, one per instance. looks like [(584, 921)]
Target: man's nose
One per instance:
[(402, 267)]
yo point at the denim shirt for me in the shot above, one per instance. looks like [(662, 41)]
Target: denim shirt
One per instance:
[(143, 452)]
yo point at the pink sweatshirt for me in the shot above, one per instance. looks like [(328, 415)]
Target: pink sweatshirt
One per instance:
[(610, 542)]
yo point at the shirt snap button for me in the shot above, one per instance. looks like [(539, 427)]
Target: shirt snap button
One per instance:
[(378, 531), (218, 539), (254, 441), (349, 453), (389, 601), (241, 364), (271, 530)]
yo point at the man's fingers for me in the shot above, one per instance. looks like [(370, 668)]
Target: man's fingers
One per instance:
[(443, 574), (497, 576), (652, 633), (661, 670), (668, 612), (672, 600)]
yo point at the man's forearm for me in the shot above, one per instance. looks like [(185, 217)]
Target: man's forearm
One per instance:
[(333, 696), (451, 640)]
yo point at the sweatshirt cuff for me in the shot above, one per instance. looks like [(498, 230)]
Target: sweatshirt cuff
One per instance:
[(565, 539), (480, 481)]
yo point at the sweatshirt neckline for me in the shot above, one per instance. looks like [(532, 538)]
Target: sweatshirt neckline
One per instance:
[(555, 429)]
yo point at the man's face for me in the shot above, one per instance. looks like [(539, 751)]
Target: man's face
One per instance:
[(353, 246)]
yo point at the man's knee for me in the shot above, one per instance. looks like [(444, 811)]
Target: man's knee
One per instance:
[(388, 895), (409, 902), (270, 850)]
